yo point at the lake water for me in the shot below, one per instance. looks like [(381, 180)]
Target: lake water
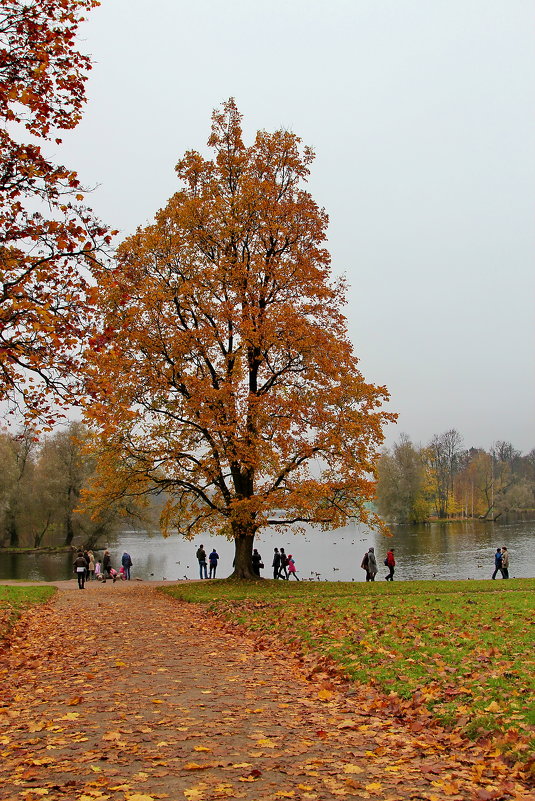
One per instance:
[(439, 550)]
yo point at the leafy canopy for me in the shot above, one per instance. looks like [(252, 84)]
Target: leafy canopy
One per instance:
[(222, 372), (47, 238)]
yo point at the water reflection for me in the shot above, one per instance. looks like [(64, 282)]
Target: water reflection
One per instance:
[(440, 550)]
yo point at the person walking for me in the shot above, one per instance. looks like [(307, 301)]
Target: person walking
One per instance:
[(80, 566), (505, 562), (390, 562), (283, 571), (256, 561), (276, 563), (127, 563), (498, 560), (372, 565), (291, 568), (364, 564), (106, 564), (213, 559), (201, 557)]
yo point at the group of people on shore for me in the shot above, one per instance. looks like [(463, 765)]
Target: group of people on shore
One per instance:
[(88, 568), (283, 564), (369, 564)]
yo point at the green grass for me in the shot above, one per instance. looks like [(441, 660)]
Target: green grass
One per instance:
[(464, 649), (14, 600)]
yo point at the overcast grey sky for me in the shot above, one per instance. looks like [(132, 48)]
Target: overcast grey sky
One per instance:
[(421, 115)]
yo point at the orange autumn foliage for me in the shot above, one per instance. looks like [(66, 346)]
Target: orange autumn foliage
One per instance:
[(47, 238), (222, 372)]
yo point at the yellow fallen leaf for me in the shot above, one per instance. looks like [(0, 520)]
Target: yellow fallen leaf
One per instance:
[(353, 769), (284, 794), (266, 742), (193, 794), (95, 768), (70, 716), (304, 787), (112, 735), (156, 701), (201, 748), (493, 707), (140, 797), (120, 663), (194, 766), (325, 695), (5, 740), (374, 787)]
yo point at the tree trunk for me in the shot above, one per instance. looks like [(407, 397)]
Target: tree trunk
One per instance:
[(243, 567), (12, 530), (69, 531)]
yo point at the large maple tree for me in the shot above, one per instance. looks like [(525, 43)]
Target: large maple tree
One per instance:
[(222, 372), (47, 237)]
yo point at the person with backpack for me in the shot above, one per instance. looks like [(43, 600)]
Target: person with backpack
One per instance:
[(291, 568), (126, 562), (213, 559), (371, 564), (283, 572), (390, 562), (201, 558), (364, 564)]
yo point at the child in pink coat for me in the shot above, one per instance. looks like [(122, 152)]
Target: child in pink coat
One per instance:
[(291, 568)]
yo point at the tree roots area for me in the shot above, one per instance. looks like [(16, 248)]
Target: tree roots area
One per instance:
[(119, 692)]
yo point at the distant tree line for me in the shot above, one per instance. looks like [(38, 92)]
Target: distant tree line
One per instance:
[(41, 486), (444, 480)]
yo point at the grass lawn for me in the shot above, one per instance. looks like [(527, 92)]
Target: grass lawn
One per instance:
[(464, 649), (14, 600)]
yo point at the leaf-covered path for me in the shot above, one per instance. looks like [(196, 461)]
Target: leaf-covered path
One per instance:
[(118, 692)]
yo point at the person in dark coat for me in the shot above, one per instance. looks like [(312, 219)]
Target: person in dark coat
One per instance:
[(283, 570), (498, 563), (106, 564), (256, 560), (201, 558), (276, 563), (126, 562), (80, 566), (213, 559)]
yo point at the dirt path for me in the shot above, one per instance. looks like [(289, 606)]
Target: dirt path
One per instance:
[(119, 692)]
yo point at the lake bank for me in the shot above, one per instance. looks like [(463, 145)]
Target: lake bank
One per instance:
[(433, 551)]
